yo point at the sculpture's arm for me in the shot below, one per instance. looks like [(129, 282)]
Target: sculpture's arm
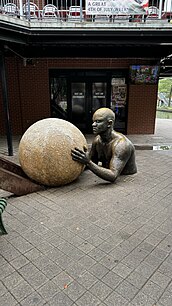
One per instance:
[(118, 161)]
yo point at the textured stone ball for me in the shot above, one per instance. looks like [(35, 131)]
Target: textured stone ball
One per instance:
[(45, 152)]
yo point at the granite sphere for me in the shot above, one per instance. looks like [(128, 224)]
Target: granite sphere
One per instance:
[(45, 152)]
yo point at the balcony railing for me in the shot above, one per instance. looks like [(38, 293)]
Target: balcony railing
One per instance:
[(69, 11)]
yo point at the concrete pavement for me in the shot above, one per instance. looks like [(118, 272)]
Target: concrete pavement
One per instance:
[(91, 242)]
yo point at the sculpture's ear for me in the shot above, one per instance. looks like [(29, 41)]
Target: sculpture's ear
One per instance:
[(110, 123)]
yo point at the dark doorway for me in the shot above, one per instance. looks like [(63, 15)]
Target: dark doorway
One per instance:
[(76, 95)]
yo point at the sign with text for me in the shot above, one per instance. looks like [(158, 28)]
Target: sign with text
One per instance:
[(116, 7)]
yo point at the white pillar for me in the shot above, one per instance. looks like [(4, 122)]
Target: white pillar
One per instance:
[(21, 8), (160, 9)]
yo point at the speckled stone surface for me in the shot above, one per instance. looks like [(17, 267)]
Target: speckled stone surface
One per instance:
[(45, 152)]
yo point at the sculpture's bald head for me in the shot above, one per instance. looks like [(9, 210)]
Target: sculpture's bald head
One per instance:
[(105, 113), (103, 120)]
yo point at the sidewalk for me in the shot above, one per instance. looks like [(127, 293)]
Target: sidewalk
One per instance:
[(91, 242)]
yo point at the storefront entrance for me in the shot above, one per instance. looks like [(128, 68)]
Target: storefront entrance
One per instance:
[(86, 98), (75, 96)]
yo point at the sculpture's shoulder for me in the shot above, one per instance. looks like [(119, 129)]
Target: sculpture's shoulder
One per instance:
[(122, 145), (96, 140)]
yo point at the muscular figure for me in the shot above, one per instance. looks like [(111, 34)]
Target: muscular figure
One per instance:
[(112, 150)]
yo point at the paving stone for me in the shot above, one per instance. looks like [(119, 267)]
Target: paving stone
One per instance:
[(86, 247), (153, 290), (19, 262), (21, 291), (160, 253), (33, 254), (100, 290), (3, 289), (145, 269), (127, 290), (136, 279), (60, 299), (12, 280), (97, 254), (62, 279), (9, 252), (64, 262), (6, 270), (116, 299), (98, 270), (166, 268), (153, 261), (28, 270), (48, 290), (71, 251), (21, 244), (33, 299), (8, 300), (87, 280), (108, 261), (37, 280), (2, 261), (42, 261), (74, 290), (112, 280), (86, 261), (44, 247), (51, 270), (141, 300), (75, 270), (122, 270), (95, 240), (160, 279), (88, 299)]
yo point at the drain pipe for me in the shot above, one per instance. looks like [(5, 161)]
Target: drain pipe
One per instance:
[(5, 103)]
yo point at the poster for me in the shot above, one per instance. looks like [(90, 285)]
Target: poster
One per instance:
[(119, 95), (116, 7)]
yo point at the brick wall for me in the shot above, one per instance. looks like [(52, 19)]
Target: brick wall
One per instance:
[(28, 93), (29, 101)]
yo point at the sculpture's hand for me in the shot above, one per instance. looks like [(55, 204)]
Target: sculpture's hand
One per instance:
[(80, 156)]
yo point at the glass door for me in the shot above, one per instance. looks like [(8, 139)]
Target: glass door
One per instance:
[(99, 96), (86, 98), (78, 114), (76, 95)]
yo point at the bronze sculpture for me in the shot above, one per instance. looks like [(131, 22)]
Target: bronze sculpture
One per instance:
[(114, 151)]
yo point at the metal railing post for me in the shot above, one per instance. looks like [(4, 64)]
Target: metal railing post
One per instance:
[(21, 8), (160, 9), (6, 104), (28, 9), (80, 10)]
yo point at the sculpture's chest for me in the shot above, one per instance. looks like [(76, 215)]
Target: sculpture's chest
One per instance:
[(104, 152)]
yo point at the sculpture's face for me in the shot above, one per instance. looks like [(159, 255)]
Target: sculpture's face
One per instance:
[(100, 123)]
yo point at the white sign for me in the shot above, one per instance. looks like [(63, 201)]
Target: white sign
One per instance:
[(116, 7)]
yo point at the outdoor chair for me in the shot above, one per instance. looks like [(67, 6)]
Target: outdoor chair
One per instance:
[(50, 11), (75, 13), (3, 204), (11, 9), (153, 12), (31, 10)]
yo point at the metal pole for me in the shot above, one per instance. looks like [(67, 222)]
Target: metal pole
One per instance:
[(5, 104), (81, 10), (169, 101), (21, 8), (160, 9)]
